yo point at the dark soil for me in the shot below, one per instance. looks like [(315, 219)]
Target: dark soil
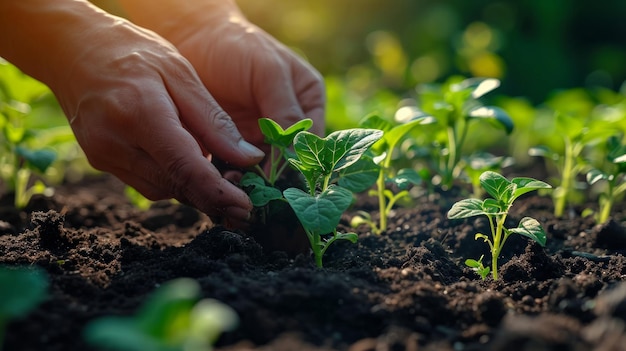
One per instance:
[(407, 289)]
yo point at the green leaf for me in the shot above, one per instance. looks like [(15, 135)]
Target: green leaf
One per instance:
[(492, 207), (472, 263), (275, 135), (394, 136), (543, 151), (21, 290), (166, 306), (496, 185), (466, 208), (14, 135), (525, 185), (478, 86), (481, 236), (259, 192), (338, 150), (360, 176), (172, 319), (406, 177), (39, 159), (351, 237), (495, 115), (319, 214), (121, 333), (530, 228), (374, 121)]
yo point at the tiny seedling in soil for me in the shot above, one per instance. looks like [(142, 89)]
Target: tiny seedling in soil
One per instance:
[(455, 105), (503, 193), (613, 174), (381, 165), (320, 161), (578, 134), (280, 140), (478, 267), (21, 290), (173, 318)]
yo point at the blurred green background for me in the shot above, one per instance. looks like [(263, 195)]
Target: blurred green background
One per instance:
[(534, 46)]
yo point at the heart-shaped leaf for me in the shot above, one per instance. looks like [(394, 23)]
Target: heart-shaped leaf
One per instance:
[(319, 214), (360, 176)]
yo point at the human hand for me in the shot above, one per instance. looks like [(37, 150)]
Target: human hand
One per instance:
[(250, 74), (140, 112)]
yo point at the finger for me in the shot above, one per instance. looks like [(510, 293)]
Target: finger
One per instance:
[(311, 94), (194, 178), (149, 190), (209, 123), (291, 92), (274, 93)]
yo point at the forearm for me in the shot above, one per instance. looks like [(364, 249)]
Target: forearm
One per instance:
[(43, 37)]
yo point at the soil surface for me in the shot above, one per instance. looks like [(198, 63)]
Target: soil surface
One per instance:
[(407, 289)]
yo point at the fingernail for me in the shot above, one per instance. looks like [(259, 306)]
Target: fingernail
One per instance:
[(237, 213), (250, 149)]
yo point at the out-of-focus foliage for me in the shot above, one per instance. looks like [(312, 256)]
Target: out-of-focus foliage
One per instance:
[(533, 47)]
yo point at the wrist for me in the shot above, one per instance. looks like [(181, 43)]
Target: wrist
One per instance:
[(43, 37), (176, 20)]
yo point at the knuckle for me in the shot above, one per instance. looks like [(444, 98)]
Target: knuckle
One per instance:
[(221, 122), (182, 175)]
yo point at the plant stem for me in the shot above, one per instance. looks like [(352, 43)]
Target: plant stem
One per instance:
[(452, 155), (314, 240), (498, 243), (606, 205), (380, 185), (566, 180), (21, 188)]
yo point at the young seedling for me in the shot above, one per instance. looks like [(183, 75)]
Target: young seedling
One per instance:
[(261, 187), (580, 131), (18, 160), (172, 319), (613, 174), (455, 105), (280, 141), (21, 290), (383, 151), (478, 267), (320, 160), (503, 193)]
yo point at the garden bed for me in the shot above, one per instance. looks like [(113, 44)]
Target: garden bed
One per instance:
[(406, 289)]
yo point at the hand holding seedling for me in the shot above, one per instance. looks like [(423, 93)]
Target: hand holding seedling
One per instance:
[(137, 106)]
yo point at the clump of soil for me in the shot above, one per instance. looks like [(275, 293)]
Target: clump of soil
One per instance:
[(407, 289)]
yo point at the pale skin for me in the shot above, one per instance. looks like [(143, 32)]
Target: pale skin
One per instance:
[(154, 97)]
